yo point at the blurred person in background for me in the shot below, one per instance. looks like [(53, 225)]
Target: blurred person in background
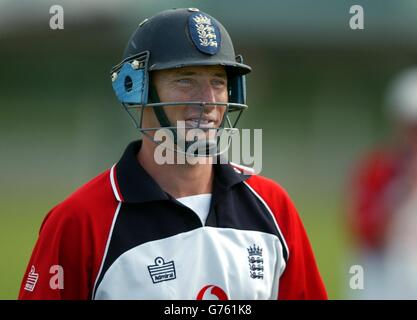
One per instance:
[(383, 203)]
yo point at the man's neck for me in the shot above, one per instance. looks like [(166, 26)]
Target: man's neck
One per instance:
[(178, 180)]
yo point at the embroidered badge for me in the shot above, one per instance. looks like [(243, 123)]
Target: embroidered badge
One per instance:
[(31, 279), (205, 33), (162, 271), (256, 262)]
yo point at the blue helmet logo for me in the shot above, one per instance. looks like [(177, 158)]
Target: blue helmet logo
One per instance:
[(205, 33)]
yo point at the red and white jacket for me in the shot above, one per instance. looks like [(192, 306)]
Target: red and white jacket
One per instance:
[(120, 236)]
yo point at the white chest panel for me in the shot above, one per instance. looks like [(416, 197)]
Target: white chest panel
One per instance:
[(242, 264)]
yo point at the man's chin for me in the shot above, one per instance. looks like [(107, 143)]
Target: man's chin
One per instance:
[(199, 147)]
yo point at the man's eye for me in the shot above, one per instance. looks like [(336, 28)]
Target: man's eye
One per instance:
[(219, 82), (184, 81)]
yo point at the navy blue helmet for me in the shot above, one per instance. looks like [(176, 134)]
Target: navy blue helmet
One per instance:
[(173, 39)]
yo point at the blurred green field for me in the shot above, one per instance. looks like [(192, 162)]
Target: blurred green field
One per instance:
[(327, 233), (18, 233)]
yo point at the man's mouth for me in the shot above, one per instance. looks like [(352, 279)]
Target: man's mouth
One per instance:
[(205, 122)]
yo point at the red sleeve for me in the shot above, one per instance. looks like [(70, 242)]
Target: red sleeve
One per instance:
[(301, 278), (60, 266), (71, 243)]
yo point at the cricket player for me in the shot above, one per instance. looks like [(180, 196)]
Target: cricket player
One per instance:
[(189, 230)]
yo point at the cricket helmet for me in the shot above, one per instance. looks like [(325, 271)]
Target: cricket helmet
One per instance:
[(173, 39)]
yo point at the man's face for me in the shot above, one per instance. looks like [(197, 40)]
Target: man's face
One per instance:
[(200, 83)]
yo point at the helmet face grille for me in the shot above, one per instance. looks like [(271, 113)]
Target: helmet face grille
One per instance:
[(213, 141)]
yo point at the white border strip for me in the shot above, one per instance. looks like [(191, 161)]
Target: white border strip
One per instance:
[(113, 184), (273, 217), (116, 213)]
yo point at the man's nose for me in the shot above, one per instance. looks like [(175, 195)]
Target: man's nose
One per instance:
[(208, 94)]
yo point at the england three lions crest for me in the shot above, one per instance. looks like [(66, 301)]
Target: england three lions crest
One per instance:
[(205, 33), (256, 262)]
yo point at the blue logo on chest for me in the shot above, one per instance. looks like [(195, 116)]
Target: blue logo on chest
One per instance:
[(256, 262)]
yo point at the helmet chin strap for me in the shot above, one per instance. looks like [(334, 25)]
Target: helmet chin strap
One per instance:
[(210, 146), (159, 110)]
